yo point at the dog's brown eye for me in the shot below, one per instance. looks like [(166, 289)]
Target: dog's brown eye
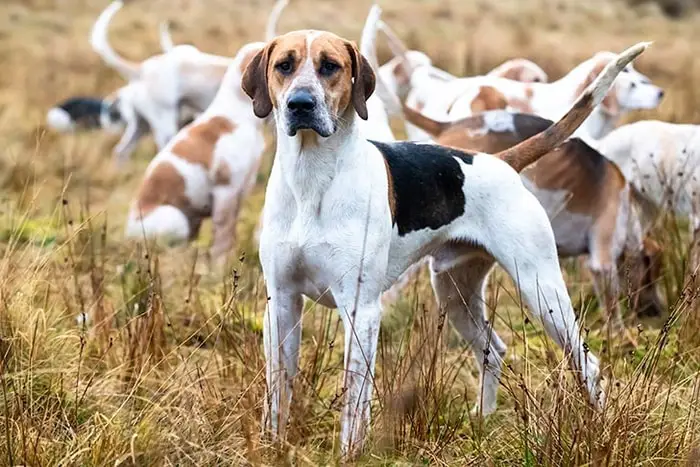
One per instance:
[(328, 68), (284, 67)]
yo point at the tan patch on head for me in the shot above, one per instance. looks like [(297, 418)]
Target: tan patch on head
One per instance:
[(291, 47), (337, 87), (514, 73), (164, 185), (198, 144), (488, 98), (391, 193)]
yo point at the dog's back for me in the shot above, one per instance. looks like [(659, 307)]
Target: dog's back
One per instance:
[(661, 160)]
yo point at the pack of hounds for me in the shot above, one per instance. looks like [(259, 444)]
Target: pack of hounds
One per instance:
[(507, 168)]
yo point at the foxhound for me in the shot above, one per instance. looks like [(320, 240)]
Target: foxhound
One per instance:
[(413, 78), (205, 170), (344, 217), (75, 113), (467, 96), (161, 88), (440, 97), (586, 196), (662, 162), (377, 126), (396, 73)]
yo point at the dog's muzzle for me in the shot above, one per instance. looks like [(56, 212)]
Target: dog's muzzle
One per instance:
[(302, 114)]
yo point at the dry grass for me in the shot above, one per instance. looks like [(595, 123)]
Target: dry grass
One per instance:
[(168, 367)]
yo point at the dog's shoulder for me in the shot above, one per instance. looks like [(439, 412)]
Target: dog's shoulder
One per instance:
[(425, 183)]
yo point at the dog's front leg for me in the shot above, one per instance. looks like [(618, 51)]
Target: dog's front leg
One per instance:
[(282, 337), (361, 326), (134, 131)]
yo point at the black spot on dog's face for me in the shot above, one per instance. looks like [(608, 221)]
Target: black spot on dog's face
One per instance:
[(427, 182)]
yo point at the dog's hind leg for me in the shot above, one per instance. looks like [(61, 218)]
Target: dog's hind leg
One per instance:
[(520, 238), (460, 291)]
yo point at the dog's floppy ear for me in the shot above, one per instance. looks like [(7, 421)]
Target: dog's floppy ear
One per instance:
[(363, 80), (254, 82)]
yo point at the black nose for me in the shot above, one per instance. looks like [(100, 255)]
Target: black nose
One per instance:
[(661, 93), (301, 101)]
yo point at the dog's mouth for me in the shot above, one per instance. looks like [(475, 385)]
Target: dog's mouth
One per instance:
[(313, 124)]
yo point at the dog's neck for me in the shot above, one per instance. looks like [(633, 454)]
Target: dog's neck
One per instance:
[(566, 90), (309, 163), (231, 102)]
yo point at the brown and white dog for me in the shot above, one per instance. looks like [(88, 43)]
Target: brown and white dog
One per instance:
[(398, 71), (344, 217), (662, 162), (442, 98), (413, 78), (205, 170), (163, 89), (467, 96), (586, 196)]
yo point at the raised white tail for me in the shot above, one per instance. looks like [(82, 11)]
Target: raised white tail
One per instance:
[(273, 19), (100, 44), (166, 40), (368, 48)]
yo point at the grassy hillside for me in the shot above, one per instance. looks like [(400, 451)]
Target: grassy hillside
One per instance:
[(114, 352)]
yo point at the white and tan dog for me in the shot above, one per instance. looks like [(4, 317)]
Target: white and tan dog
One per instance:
[(586, 196), (467, 96), (398, 72), (205, 170), (162, 90), (440, 97), (413, 78), (662, 162), (344, 217)]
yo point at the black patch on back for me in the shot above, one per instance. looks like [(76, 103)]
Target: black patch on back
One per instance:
[(428, 184), (528, 125), (591, 161), (84, 111)]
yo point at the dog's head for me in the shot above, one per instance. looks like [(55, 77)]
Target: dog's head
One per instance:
[(313, 80), (74, 114), (397, 72), (520, 69), (631, 90), (115, 111)]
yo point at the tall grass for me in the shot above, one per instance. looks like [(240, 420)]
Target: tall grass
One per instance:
[(115, 352)]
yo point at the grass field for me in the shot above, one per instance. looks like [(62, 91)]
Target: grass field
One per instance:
[(116, 353)]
